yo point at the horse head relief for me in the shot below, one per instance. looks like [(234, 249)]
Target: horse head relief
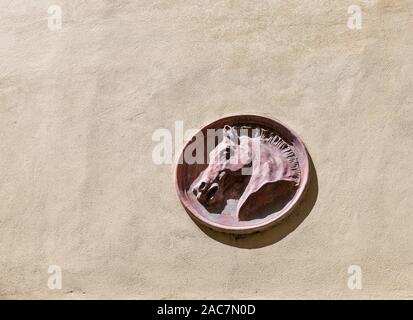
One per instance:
[(254, 174), (271, 162)]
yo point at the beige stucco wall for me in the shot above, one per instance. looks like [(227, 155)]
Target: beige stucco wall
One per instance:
[(78, 106)]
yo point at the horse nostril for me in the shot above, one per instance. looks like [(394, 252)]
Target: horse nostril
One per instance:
[(212, 191), (202, 186)]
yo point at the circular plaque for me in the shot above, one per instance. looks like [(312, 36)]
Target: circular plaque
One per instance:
[(242, 173)]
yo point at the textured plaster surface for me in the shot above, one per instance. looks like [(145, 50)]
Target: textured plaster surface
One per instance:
[(79, 189)]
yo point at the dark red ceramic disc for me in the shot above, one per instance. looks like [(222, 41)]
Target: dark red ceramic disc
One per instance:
[(220, 197)]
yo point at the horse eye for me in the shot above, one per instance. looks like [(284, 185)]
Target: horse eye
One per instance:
[(227, 153)]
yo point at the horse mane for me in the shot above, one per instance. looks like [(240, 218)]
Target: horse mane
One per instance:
[(285, 150)]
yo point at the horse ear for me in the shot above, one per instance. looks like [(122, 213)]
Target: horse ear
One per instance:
[(230, 133)]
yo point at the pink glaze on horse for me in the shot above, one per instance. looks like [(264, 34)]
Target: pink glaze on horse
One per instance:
[(256, 170)]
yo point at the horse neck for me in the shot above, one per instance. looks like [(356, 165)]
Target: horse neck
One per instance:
[(272, 156)]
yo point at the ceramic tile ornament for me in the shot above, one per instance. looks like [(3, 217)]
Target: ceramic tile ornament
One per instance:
[(251, 171)]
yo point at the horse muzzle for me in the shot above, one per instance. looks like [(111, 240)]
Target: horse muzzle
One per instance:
[(207, 193)]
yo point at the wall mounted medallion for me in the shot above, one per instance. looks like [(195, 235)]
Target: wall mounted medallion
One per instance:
[(242, 173)]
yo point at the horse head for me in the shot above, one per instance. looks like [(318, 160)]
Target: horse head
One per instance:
[(226, 161), (270, 160)]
